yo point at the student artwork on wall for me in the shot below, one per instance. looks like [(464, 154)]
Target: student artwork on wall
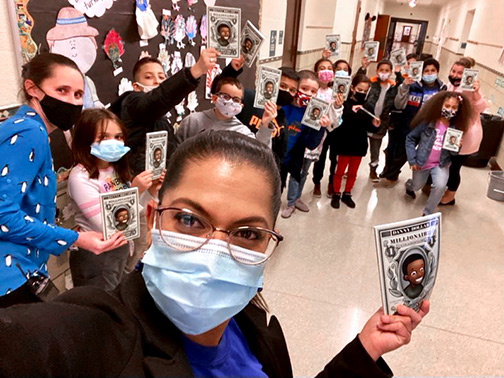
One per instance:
[(114, 48), (34, 19), (146, 20)]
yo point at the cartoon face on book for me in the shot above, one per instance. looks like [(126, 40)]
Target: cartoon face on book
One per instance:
[(121, 217)]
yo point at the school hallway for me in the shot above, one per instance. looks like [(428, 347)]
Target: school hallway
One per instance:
[(323, 284)]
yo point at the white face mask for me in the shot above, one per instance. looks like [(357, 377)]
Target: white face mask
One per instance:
[(146, 88), (228, 108), (383, 76)]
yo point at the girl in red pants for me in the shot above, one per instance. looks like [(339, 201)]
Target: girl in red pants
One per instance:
[(350, 140)]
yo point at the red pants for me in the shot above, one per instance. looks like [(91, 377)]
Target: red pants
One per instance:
[(353, 163)]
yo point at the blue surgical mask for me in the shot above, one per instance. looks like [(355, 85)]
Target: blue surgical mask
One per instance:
[(429, 78), (341, 73), (109, 150), (201, 289)]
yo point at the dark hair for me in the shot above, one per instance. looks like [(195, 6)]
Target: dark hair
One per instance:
[(409, 260), (290, 73), (41, 67), (360, 78), (430, 112), (139, 64), (315, 67), (385, 61), (466, 62), (227, 80), (307, 75), (424, 56), (222, 25), (87, 126), (231, 147), (343, 61), (431, 62), (411, 56)]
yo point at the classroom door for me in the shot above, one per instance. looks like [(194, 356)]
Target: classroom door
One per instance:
[(291, 34), (381, 33)]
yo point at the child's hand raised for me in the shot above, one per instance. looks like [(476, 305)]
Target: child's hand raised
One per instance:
[(338, 100), (206, 62), (142, 181), (364, 62), (326, 53), (238, 63), (270, 113), (325, 121), (408, 81)]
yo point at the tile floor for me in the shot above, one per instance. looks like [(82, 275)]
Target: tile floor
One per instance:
[(322, 283)]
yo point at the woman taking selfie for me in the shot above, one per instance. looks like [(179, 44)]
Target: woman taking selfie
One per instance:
[(194, 310)]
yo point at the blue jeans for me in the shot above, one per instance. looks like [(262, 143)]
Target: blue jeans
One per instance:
[(439, 179), (295, 188)]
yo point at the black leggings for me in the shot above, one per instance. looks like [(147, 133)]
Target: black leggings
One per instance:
[(456, 165)]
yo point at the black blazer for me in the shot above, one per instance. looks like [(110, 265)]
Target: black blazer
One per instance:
[(88, 332)]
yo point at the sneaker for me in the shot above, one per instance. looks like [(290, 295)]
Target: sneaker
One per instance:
[(335, 201), (316, 191), (384, 183), (301, 206), (330, 190), (410, 194), (347, 200), (287, 212)]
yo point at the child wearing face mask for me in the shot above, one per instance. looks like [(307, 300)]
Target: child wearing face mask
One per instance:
[(380, 102), (350, 140), (228, 101), (300, 138), (101, 166), (426, 156), (144, 109), (342, 68), (474, 135), (411, 96)]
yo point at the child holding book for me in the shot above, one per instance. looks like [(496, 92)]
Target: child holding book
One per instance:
[(99, 151), (426, 156), (350, 140)]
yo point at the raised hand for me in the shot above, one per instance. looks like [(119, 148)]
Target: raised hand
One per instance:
[(206, 62)]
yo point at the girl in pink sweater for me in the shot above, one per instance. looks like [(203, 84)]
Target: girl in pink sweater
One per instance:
[(473, 135)]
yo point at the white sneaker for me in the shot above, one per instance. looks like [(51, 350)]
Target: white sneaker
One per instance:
[(287, 212), (301, 206)]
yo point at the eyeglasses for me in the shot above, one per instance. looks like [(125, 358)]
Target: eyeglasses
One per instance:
[(226, 97), (186, 222)]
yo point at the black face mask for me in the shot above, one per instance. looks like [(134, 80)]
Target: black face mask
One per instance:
[(360, 97), (284, 98), (61, 114), (455, 81)]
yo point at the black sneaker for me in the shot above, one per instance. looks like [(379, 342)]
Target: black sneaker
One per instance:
[(347, 200), (410, 193), (335, 201)]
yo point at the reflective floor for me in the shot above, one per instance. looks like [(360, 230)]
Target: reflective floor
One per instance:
[(322, 283)]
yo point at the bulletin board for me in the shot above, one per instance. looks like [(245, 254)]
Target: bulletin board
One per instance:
[(35, 17)]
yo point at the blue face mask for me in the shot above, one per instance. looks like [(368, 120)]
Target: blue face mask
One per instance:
[(110, 150), (341, 73), (201, 289), (429, 78)]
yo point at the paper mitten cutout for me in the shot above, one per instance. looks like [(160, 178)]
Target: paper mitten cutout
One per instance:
[(146, 20), (177, 64), (164, 58), (192, 101), (180, 110), (179, 31), (191, 29), (190, 60), (124, 86)]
